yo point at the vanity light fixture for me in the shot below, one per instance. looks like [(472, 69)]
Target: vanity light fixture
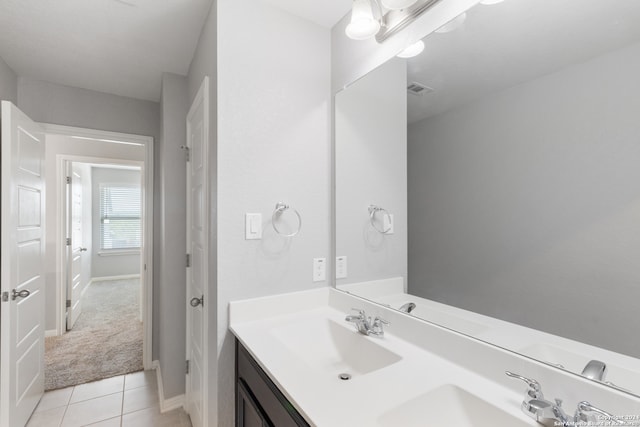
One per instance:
[(413, 50), (363, 24), (383, 18)]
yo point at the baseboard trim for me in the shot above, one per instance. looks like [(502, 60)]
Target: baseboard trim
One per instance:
[(122, 277), (51, 333), (166, 405)]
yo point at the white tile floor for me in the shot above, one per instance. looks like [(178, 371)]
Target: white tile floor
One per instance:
[(124, 401)]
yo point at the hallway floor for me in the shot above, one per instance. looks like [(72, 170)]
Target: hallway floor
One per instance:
[(123, 401), (105, 341)]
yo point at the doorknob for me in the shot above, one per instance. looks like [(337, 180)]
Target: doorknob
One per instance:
[(197, 301), (22, 294), (83, 249)]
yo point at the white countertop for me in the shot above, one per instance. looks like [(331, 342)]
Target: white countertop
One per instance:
[(370, 399)]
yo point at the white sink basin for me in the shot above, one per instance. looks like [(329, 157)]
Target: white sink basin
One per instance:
[(448, 405), (325, 345)]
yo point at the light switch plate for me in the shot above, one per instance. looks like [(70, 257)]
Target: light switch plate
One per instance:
[(319, 269), (253, 226), (341, 267)]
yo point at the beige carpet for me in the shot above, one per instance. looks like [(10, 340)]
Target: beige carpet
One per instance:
[(106, 340)]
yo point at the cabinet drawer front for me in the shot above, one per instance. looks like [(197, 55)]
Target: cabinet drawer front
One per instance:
[(269, 399), (248, 412)]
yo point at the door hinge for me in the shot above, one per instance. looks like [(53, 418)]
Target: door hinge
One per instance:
[(5, 296), (68, 179), (186, 367), (68, 303), (188, 260), (68, 241), (187, 152)]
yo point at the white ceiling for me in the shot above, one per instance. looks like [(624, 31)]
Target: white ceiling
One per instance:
[(113, 46), (503, 45), (118, 46), (323, 12)]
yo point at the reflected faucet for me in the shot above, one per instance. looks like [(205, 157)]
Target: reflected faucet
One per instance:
[(407, 308), (595, 370)]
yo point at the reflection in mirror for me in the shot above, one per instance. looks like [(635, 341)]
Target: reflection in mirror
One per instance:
[(504, 161)]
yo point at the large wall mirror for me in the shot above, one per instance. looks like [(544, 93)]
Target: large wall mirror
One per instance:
[(491, 184)]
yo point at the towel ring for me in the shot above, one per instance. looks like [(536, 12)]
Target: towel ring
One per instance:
[(280, 208), (373, 210)]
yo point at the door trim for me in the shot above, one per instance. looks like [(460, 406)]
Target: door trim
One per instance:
[(146, 258)]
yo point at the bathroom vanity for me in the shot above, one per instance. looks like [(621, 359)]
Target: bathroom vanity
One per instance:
[(494, 179), (300, 362), (259, 402)]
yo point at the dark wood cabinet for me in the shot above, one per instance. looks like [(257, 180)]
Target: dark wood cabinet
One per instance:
[(248, 412), (259, 403)]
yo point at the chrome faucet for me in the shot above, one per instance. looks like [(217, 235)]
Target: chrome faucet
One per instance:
[(537, 407), (365, 326), (549, 413), (595, 370), (407, 308)]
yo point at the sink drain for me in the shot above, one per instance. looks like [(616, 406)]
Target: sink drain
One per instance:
[(344, 377)]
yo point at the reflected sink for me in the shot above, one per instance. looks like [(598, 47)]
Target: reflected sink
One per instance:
[(556, 356), (448, 406), (617, 376), (326, 345)]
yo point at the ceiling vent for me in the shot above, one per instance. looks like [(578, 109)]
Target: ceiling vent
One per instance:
[(418, 89)]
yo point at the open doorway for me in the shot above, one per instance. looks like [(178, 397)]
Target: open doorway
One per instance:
[(100, 206), (103, 307)]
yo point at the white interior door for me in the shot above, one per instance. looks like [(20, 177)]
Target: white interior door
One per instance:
[(22, 267), (75, 247), (197, 250)]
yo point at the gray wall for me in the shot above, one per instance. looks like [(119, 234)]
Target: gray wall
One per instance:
[(170, 237), (371, 168), (8, 83), (110, 265), (63, 105), (274, 145), (271, 133), (524, 205)]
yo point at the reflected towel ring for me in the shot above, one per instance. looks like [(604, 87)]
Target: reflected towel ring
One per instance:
[(373, 209), (280, 208)]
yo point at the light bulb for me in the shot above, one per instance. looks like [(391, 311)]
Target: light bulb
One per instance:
[(363, 25), (398, 4), (413, 50)]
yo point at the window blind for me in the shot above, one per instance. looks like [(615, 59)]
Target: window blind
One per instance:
[(120, 212)]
